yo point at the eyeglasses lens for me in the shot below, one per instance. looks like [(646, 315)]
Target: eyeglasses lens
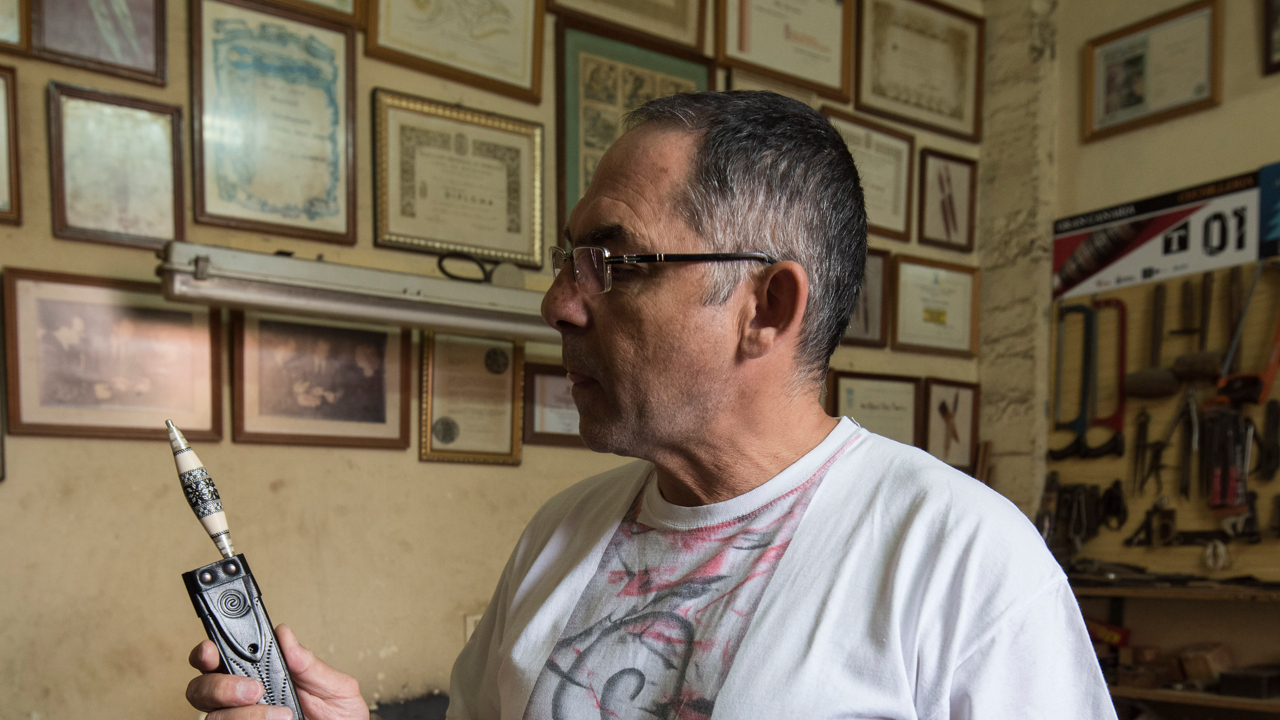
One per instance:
[(590, 270)]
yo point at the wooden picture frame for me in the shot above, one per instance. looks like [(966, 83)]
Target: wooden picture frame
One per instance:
[(869, 322), (15, 23), (942, 428), (931, 293), (543, 425), (327, 10), (324, 211), (881, 398), (948, 200), (462, 428), (1270, 37), (12, 214), (621, 17), (886, 179), (99, 357), (727, 13), (739, 79), (59, 35), (1114, 100), (86, 171)]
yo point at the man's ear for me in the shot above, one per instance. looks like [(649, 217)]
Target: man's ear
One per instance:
[(776, 309)]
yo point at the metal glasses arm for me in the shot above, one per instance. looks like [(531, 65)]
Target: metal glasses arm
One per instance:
[(687, 257)]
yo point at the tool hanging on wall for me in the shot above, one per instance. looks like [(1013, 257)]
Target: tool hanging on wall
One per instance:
[(1144, 534), (1115, 420), (1114, 512), (1155, 381), (1269, 442), (1140, 444), (1187, 414), (1080, 424), (1202, 364), (1235, 309), (1228, 441), (1238, 389)]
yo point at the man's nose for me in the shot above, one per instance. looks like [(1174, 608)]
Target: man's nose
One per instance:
[(563, 307)]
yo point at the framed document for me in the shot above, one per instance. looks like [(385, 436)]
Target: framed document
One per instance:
[(951, 422), (471, 399), (935, 308), (1271, 37), (948, 198), (493, 45), (920, 62), (348, 12), (884, 158), (122, 37), (802, 43), (300, 381), (672, 21), (550, 415), (451, 179), (736, 79), (94, 357), (1160, 68), (272, 96), (10, 182), (15, 21), (116, 167), (888, 405), (869, 323)]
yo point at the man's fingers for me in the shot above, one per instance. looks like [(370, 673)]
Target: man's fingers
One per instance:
[(310, 674), (204, 657), (214, 691)]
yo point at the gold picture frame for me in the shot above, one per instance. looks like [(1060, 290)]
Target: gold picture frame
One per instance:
[(472, 400)]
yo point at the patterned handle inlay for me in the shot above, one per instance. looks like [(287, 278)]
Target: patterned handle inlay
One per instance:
[(202, 494)]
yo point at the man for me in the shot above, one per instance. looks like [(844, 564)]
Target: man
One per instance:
[(763, 560)]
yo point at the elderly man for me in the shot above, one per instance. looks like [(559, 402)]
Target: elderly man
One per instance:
[(761, 560)]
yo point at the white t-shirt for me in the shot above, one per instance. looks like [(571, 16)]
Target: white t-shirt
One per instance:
[(908, 590)]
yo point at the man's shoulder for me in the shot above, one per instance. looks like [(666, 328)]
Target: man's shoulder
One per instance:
[(596, 500)]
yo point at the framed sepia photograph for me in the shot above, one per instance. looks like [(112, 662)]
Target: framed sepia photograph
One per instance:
[(347, 12), (273, 105), (948, 200), (1271, 37), (935, 307), (303, 381), (885, 158), (550, 415), (805, 44), (920, 62), (682, 22), (15, 22), (471, 400), (869, 323), (115, 163), (951, 422), (888, 405), (1161, 68), (96, 357), (10, 179), (495, 45), (452, 179), (125, 38)]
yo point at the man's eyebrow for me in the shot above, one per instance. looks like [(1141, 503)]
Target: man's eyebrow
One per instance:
[(603, 235)]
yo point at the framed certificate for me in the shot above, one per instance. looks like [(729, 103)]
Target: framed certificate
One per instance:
[(869, 323), (10, 181), (884, 158), (888, 405), (951, 422), (1160, 68), (471, 400), (348, 12), (116, 167), (920, 62), (935, 307), (451, 179), (672, 21), (494, 46), (15, 24), (1271, 37), (801, 43), (272, 96), (550, 415), (737, 79), (125, 38), (948, 199)]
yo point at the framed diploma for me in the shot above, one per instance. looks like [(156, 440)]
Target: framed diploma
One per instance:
[(951, 422), (15, 24), (935, 308), (125, 38), (95, 357), (300, 381), (920, 62), (348, 12), (116, 168), (451, 179), (884, 158), (888, 405), (471, 400), (272, 95), (10, 182), (670, 21), (869, 323), (494, 45), (736, 79), (948, 198), (1160, 68), (801, 43), (550, 415), (1271, 37)]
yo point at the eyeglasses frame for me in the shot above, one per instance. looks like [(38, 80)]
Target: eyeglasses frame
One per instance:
[(610, 259)]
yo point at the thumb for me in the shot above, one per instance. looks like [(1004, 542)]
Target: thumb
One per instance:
[(310, 674)]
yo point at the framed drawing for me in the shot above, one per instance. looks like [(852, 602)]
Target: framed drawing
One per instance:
[(805, 44), (452, 179), (471, 400), (599, 81), (273, 105), (920, 62), (935, 308), (1161, 68), (682, 22), (948, 199), (869, 323), (951, 422), (736, 79), (301, 381), (15, 21), (494, 46), (347, 12), (1271, 37), (885, 158), (115, 163), (125, 38), (888, 405), (550, 415), (95, 357), (10, 180)]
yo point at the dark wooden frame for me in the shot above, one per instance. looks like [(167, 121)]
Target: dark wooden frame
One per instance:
[(1270, 19), (14, 214), (533, 94), (355, 18), (16, 425), (637, 36), (885, 299), (979, 69), (201, 215), (1087, 70), (903, 235), (23, 46), (240, 435), (847, 45), (57, 179), (159, 77), (929, 384), (974, 305), (917, 420), (426, 454), (539, 438), (925, 154)]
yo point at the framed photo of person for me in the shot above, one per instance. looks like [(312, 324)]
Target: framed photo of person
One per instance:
[(550, 415), (96, 357), (885, 158), (1161, 68), (869, 323), (125, 38), (116, 167), (494, 46), (920, 62), (273, 121), (805, 44), (10, 180), (935, 308), (888, 405), (347, 12), (951, 422), (948, 200), (471, 400), (1271, 37), (304, 381), (15, 22), (452, 179), (666, 21)]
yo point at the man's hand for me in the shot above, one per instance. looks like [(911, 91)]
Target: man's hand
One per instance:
[(323, 693)]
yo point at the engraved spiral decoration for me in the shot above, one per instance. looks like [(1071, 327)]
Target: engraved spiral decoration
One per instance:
[(202, 494), (233, 603)]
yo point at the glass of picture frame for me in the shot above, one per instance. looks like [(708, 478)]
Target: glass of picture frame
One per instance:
[(888, 405), (15, 26), (885, 158), (347, 12), (948, 200), (805, 44), (869, 322), (935, 307), (471, 400), (10, 177), (951, 422), (550, 414), (125, 38), (682, 22)]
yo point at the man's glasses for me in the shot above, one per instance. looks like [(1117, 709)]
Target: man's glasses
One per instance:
[(592, 266)]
